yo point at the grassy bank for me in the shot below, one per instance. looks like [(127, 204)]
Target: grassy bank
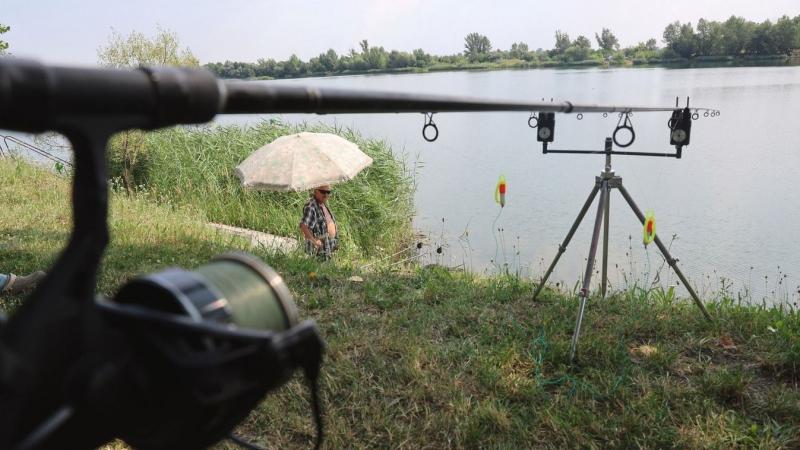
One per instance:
[(428, 358), (195, 167)]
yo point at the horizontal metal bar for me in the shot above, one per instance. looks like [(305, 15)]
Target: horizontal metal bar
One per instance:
[(603, 152)]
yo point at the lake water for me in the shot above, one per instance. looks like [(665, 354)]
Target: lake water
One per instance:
[(732, 202)]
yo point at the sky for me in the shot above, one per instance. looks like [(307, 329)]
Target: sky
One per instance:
[(70, 31)]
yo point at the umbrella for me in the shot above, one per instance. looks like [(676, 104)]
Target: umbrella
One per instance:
[(302, 161)]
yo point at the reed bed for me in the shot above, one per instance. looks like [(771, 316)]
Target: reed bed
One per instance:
[(194, 167)]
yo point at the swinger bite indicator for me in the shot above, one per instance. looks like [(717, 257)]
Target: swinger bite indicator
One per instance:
[(649, 230), (500, 191)]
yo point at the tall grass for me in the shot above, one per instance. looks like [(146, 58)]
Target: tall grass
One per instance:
[(195, 166)]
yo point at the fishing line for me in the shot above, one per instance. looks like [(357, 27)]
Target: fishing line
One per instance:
[(503, 245), (440, 244), (464, 239), (647, 268), (418, 245), (494, 234), (410, 258)]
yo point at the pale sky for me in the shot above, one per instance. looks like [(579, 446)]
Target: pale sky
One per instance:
[(70, 31)]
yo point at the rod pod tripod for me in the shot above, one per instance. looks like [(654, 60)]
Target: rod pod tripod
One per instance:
[(607, 181)]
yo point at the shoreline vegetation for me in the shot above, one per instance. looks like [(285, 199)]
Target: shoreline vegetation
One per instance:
[(516, 64), (670, 63), (194, 167), (735, 41), (435, 358)]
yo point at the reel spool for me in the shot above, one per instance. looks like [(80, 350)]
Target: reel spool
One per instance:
[(233, 289)]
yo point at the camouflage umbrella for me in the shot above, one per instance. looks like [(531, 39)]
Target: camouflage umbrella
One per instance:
[(302, 161)]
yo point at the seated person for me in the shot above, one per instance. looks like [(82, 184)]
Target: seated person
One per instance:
[(318, 224)]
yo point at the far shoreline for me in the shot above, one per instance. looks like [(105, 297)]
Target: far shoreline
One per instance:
[(674, 63)]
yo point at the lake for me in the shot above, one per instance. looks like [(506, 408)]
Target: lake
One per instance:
[(732, 202), (729, 208)]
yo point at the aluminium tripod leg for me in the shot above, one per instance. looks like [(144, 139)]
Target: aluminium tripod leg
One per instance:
[(589, 268), (563, 247), (607, 211), (672, 261)]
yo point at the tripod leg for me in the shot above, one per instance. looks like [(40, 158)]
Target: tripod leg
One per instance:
[(589, 267), (672, 262), (607, 207), (563, 247)]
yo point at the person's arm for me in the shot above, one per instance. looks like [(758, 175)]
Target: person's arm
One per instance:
[(309, 235), (308, 217)]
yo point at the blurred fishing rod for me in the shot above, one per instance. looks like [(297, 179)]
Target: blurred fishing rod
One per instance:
[(36, 97)]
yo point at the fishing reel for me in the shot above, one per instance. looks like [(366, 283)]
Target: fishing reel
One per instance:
[(179, 357), (205, 347)]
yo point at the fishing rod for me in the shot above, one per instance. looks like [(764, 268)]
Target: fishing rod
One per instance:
[(36, 96), (175, 359), (32, 148)]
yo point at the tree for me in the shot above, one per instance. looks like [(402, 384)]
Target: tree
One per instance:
[(329, 60), (476, 46), (583, 42), (422, 59), (607, 42), (680, 38), (265, 67), (127, 156), (519, 50), (737, 32), (579, 50), (399, 60), (562, 42), (708, 38), (651, 44), (762, 40), (136, 49), (786, 34), (353, 61), (3, 44), (377, 58)]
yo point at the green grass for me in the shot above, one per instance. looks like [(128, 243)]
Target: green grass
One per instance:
[(194, 166), (429, 358)]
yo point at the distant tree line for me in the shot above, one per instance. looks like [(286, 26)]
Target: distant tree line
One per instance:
[(735, 37)]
